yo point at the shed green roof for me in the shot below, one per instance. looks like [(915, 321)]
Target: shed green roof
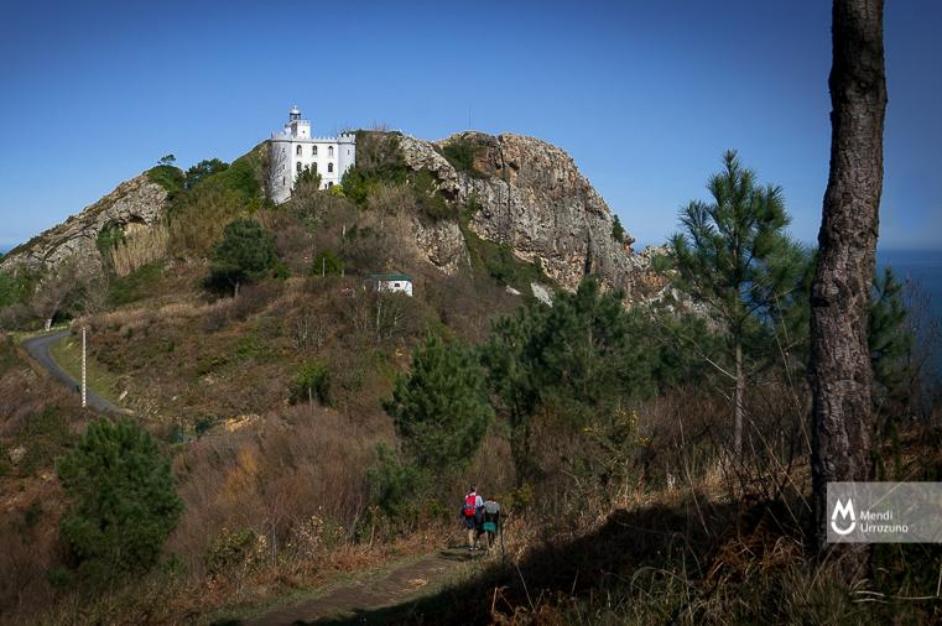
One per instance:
[(390, 277)]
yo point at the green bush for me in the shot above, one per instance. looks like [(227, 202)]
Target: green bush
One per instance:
[(137, 285), (326, 263), (461, 154), (17, 288), (312, 382), (309, 176), (499, 262), (123, 504), (428, 200), (232, 549), (246, 253), (203, 169), (394, 486), (46, 435), (108, 238), (167, 176), (241, 176)]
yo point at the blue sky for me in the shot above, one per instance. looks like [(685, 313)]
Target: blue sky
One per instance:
[(644, 95)]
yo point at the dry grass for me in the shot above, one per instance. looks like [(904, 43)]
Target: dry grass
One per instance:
[(140, 246)]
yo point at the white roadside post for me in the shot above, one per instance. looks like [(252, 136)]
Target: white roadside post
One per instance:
[(84, 378)]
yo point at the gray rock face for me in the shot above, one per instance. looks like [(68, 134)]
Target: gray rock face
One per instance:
[(531, 196), (442, 243), (138, 201)]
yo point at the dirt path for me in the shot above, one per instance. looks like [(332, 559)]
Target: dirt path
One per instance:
[(352, 601)]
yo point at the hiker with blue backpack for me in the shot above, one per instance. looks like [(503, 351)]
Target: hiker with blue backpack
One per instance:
[(472, 513)]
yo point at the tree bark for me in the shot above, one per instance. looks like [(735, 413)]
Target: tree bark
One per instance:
[(840, 369), (738, 409)]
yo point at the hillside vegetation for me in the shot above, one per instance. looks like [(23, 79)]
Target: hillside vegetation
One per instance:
[(314, 426)]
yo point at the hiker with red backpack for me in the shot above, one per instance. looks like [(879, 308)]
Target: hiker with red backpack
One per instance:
[(472, 512)]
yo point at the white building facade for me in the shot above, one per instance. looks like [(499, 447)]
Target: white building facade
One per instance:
[(294, 150)]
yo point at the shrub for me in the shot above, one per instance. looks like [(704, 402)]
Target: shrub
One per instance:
[(167, 176), (428, 200), (309, 176), (197, 218), (325, 263), (312, 381), (203, 169), (45, 435), (135, 286), (394, 486), (461, 154), (16, 288), (499, 262), (231, 550), (123, 503), (243, 176), (109, 237), (245, 253)]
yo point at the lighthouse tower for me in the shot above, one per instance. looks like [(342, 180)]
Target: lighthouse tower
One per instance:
[(295, 150)]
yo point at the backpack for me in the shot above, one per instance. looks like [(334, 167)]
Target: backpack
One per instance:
[(469, 502)]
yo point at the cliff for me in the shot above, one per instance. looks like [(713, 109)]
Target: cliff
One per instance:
[(530, 196), (133, 203)]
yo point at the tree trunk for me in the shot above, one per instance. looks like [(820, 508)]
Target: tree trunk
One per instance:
[(840, 362), (738, 401)]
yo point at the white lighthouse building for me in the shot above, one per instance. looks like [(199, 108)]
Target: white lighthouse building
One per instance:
[(294, 150)]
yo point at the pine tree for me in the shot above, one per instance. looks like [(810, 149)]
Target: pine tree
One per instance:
[(441, 409), (123, 503), (734, 256), (618, 231), (889, 340), (584, 356)]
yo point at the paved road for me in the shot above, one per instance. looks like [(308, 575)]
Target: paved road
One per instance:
[(38, 349)]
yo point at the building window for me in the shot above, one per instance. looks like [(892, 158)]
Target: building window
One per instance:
[(299, 167), (330, 167), (397, 285), (314, 166), (314, 150), (329, 185), (298, 151), (282, 180), (330, 151)]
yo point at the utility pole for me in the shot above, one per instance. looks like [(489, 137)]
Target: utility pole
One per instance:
[(84, 372)]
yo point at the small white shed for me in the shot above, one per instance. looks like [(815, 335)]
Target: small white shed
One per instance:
[(401, 283)]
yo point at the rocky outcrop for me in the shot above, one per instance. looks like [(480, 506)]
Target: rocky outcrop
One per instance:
[(442, 243), (530, 195), (134, 203)]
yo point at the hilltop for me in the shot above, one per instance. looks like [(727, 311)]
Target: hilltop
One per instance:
[(507, 196)]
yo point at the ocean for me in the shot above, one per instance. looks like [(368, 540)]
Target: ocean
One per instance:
[(923, 268)]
